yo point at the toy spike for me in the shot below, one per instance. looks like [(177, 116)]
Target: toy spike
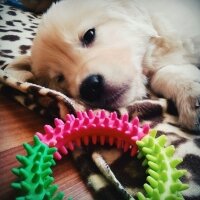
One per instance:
[(48, 182), (124, 117), (126, 147), (113, 115), (85, 115), (116, 123), (23, 160), (79, 115), (176, 162), (15, 171), (23, 173), (111, 141), (102, 114), (135, 121), (78, 142), (58, 122), (145, 128), (28, 148), (94, 139), (101, 128), (48, 129), (91, 114)]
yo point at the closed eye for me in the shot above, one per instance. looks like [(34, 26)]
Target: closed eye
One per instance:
[(60, 78)]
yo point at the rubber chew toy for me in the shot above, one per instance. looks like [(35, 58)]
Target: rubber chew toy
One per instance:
[(99, 127), (35, 173), (163, 179)]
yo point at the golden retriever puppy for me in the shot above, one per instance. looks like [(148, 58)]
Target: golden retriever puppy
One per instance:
[(103, 52)]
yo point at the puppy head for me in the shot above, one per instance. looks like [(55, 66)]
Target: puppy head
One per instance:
[(93, 51)]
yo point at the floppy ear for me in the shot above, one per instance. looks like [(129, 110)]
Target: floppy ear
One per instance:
[(20, 68), (37, 6)]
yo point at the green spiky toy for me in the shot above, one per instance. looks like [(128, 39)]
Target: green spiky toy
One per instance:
[(163, 176), (35, 180)]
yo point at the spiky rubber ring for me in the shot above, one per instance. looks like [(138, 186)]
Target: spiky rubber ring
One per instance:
[(163, 176), (95, 127)]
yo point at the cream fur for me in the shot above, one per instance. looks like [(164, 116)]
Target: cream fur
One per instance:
[(133, 43)]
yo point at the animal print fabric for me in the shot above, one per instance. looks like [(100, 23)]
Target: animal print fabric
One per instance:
[(17, 29)]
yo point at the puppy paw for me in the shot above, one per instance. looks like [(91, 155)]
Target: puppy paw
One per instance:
[(189, 109)]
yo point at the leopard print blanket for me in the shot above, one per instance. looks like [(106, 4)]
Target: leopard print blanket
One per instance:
[(17, 29)]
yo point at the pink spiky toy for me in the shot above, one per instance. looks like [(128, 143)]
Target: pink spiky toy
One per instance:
[(98, 127)]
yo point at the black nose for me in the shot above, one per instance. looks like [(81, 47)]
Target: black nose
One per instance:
[(91, 88)]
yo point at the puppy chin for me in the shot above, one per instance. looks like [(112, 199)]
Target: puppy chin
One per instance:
[(123, 101), (121, 98)]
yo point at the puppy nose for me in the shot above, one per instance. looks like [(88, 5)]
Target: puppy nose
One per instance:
[(92, 88)]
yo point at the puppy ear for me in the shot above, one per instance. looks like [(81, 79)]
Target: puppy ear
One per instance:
[(20, 68), (37, 6)]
